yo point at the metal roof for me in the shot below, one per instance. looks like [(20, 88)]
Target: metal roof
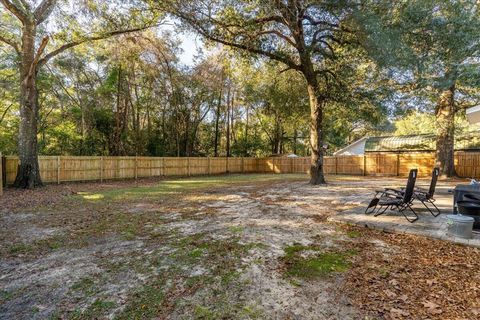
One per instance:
[(424, 142)]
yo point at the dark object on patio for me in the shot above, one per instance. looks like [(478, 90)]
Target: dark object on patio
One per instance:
[(427, 196), (470, 196), (395, 199), (470, 209), (459, 192)]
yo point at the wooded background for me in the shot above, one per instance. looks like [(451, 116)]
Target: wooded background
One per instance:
[(57, 169)]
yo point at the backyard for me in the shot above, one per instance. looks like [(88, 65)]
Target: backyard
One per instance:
[(229, 246)]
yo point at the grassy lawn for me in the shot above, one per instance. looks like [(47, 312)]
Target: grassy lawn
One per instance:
[(237, 246)]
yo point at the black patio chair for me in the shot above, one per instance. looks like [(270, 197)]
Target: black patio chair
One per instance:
[(395, 199), (425, 196)]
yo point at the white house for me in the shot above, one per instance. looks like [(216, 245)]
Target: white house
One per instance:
[(355, 148), (473, 114)]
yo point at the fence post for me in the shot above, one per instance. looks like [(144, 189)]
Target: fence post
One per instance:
[(398, 164), (226, 165), (164, 167), (364, 164), (188, 166), (336, 165), (101, 169), (243, 165), (58, 169), (1, 176), (136, 167), (209, 168)]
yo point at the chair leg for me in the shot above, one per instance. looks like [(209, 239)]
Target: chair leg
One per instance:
[(380, 211), (413, 211), (436, 208), (425, 205)]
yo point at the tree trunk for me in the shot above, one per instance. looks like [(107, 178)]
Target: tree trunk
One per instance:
[(247, 149), (295, 135), (316, 131), (217, 123), (445, 121), (228, 122), (28, 174)]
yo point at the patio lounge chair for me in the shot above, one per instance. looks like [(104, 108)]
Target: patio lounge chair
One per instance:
[(395, 199), (427, 196), (424, 196)]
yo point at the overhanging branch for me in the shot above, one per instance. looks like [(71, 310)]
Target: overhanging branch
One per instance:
[(204, 32), (43, 10), (15, 10), (69, 45), (14, 44)]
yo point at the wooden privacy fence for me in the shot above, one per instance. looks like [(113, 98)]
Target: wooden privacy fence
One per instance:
[(58, 169), (467, 164)]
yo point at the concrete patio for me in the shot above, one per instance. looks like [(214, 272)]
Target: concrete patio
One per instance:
[(426, 225)]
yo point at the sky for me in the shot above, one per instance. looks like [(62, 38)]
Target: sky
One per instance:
[(191, 44)]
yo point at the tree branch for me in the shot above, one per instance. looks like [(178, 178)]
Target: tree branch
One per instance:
[(69, 45), (278, 34), (275, 56), (16, 10), (36, 59), (5, 112), (14, 44), (43, 10)]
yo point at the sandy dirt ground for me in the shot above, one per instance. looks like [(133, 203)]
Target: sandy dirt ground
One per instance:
[(228, 247)]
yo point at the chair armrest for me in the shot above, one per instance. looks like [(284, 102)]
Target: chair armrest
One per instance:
[(392, 195), (395, 190)]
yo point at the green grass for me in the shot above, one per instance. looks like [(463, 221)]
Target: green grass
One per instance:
[(86, 286), (177, 186), (20, 248), (353, 234), (5, 295), (316, 264), (38, 246), (97, 310), (236, 229), (146, 303), (202, 312)]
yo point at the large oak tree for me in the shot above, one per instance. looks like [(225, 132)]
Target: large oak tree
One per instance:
[(301, 34), (37, 33)]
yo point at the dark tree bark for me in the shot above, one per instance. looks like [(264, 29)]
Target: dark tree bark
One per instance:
[(316, 132), (295, 137), (217, 119), (445, 121), (228, 121), (28, 174), (246, 152)]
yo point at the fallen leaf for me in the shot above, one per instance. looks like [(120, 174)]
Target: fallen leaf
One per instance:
[(395, 312), (390, 293), (475, 311), (432, 307)]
